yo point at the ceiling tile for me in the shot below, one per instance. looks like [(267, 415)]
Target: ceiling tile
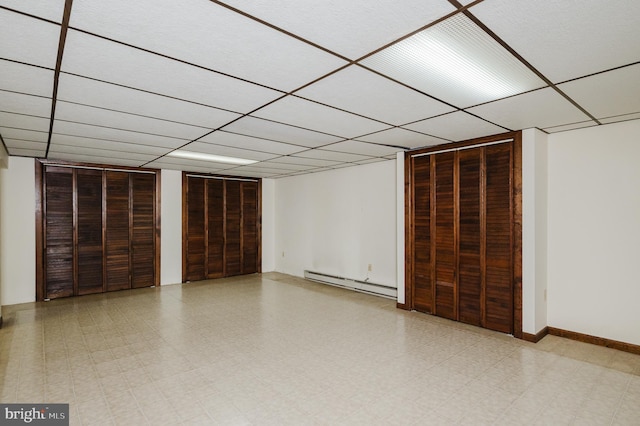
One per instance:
[(76, 141), (570, 126), (28, 40), (206, 34), (457, 62), (50, 9), (25, 104), (566, 39), (304, 162), (276, 165), (246, 172), (186, 165), (322, 154), (80, 158), (97, 58), (25, 79), (541, 108), (36, 153), (251, 143), (260, 128), (608, 94), (26, 122), (618, 118), (457, 126), (227, 151), (23, 135), (119, 120), (402, 137), (60, 150), (14, 144), (350, 28), (310, 115), (116, 135), (364, 148), (110, 96), (390, 102)]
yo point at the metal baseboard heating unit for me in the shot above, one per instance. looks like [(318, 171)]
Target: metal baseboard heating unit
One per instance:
[(351, 284)]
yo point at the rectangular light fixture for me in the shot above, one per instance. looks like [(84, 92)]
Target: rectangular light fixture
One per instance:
[(457, 62), (210, 157)]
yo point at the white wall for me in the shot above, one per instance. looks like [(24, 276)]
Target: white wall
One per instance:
[(338, 222), (268, 225), (400, 242), (17, 227), (170, 227), (594, 231), (534, 230)]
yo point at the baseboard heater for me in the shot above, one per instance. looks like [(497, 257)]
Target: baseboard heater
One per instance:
[(351, 284)]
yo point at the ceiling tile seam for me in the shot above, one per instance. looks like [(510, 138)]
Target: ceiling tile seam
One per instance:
[(445, 140), (27, 64), (262, 138), (124, 86), (519, 57), (231, 146), (133, 114), (58, 145), (281, 30), (182, 61), (29, 15), (21, 128), (26, 94), (506, 97), (25, 115), (324, 148), (344, 110), (56, 74), (367, 142), (121, 129), (107, 140), (4, 145), (599, 73)]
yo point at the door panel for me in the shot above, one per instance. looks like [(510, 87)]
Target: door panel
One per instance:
[(90, 243), (423, 290), (117, 231), (233, 235), (143, 230), (195, 229), (249, 227), (445, 250)]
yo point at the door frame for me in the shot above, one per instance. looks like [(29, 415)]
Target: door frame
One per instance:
[(516, 219)]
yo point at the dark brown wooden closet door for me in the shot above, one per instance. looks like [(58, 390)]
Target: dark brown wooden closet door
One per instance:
[(499, 287), (58, 232), (423, 290), (117, 231), (233, 265), (445, 239), (195, 229), (215, 231), (249, 227), (143, 230), (469, 237), (90, 250)]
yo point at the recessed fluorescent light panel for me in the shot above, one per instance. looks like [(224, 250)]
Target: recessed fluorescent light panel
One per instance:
[(457, 62), (210, 157)]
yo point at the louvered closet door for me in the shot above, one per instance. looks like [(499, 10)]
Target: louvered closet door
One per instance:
[(117, 231), (90, 251), (249, 227), (215, 227), (58, 235), (470, 295), (499, 276), (233, 234), (445, 238), (142, 230), (423, 290), (195, 240)]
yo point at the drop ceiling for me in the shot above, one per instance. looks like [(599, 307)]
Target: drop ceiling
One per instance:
[(304, 86)]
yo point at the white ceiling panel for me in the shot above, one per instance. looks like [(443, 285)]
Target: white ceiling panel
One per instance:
[(25, 79), (58, 149), (206, 34), (457, 126), (25, 104), (24, 122), (322, 154), (14, 144), (607, 94), (350, 28), (288, 167), (541, 108), (618, 118), (351, 90), (50, 9), (251, 143), (91, 92), (28, 40), (80, 158), (457, 62), (112, 119), (304, 162), (570, 126), (243, 172), (402, 137), (94, 57), (309, 115), (187, 165), (24, 135), (85, 130), (364, 148), (77, 141), (260, 128), (36, 153), (567, 39), (228, 151)]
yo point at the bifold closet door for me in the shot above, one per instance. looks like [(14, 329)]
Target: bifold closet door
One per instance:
[(233, 232), (143, 188), (444, 243), (195, 241), (90, 251), (422, 284), (117, 231), (249, 227), (215, 228)]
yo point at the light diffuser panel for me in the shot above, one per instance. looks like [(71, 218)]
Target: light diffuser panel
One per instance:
[(457, 62)]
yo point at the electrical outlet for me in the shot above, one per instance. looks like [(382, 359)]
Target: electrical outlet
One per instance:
[(369, 268)]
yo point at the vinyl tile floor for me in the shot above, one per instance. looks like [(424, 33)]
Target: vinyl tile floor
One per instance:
[(273, 349)]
